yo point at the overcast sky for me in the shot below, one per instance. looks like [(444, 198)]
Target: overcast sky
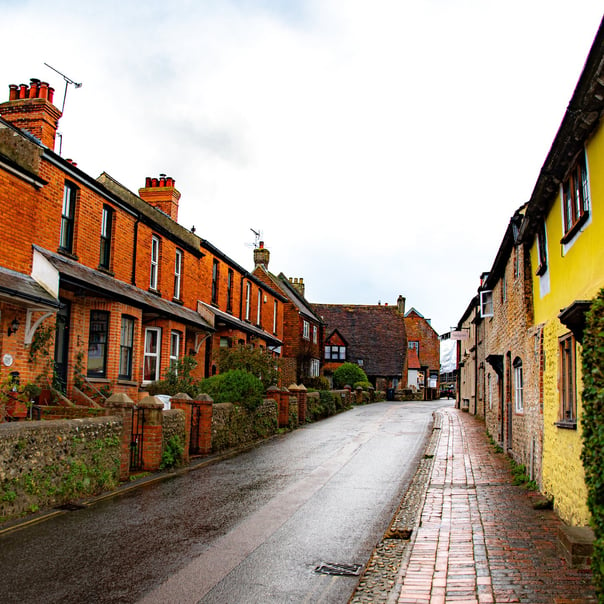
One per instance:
[(380, 147)]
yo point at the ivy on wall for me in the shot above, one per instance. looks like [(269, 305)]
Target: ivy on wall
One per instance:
[(592, 423)]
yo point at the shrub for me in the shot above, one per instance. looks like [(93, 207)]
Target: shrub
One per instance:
[(592, 422), (172, 454), (365, 385), (177, 379), (348, 373), (328, 402), (257, 361), (316, 383), (235, 386)]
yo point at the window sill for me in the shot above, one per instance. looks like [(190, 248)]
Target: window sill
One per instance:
[(566, 425), (178, 301), (98, 380), (68, 254), (155, 292), (126, 382), (575, 228), (106, 270)]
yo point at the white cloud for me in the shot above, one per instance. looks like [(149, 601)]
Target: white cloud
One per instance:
[(381, 147)]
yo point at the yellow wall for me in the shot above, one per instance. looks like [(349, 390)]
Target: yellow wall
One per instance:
[(577, 274)]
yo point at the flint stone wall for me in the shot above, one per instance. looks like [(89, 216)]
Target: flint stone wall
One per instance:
[(45, 464), (234, 426)]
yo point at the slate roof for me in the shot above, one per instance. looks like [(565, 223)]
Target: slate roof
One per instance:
[(375, 334), (90, 279), (229, 319), (25, 289)]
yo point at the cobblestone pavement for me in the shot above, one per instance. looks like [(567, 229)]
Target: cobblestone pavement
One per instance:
[(465, 534)]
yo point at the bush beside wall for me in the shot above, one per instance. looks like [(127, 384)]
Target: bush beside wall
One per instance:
[(45, 464)]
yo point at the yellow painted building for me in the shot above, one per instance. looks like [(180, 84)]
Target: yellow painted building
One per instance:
[(564, 229)]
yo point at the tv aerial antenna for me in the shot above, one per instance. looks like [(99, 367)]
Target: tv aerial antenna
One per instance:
[(257, 236), (67, 82)]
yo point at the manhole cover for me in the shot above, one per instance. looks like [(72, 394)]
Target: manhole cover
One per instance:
[(332, 568)]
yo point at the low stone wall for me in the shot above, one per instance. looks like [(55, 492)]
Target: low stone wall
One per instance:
[(233, 425), (173, 425), (45, 464), (52, 412)]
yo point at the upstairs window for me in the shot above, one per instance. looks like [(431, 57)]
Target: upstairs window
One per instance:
[(306, 330), (178, 274), (575, 199), (229, 304), (215, 277), (154, 275), (106, 230), (315, 332), (275, 311), (414, 344), (248, 300), (259, 309), (541, 249), (68, 217), (486, 303), (335, 353), (97, 343), (152, 354)]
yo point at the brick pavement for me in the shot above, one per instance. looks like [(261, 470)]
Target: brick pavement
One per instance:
[(480, 540)]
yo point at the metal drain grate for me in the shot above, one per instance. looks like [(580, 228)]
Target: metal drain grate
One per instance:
[(332, 568)]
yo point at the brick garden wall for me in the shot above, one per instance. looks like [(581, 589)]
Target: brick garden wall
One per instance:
[(45, 464)]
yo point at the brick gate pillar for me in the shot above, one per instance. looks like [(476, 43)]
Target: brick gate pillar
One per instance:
[(121, 405), (152, 433), (206, 408), (274, 393), (301, 392), (183, 402)]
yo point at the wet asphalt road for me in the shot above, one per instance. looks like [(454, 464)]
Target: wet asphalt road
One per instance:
[(249, 529)]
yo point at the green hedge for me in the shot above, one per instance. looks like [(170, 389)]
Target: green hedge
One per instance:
[(593, 430)]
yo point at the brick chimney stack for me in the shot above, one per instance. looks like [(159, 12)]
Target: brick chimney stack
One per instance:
[(297, 284), (161, 194), (400, 303), (261, 255), (30, 108)]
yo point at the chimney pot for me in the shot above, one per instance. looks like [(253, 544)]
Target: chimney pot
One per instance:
[(162, 181), (23, 91), (51, 93), (13, 92), (43, 90), (154, 182), (33, 90), (148, 181), (261, 244)]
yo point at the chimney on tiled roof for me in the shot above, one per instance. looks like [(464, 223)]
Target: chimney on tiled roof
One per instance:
[(261, 255), (161, 193), (297, 284), (30, 108), (400, 304)]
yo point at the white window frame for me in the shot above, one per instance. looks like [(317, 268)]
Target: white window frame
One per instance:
[(248, 300), (178, 257), (315, 367), (518, 388), (174, 347), (486, 303), (154, 272), (315, 332), (305, 329), (259, 309), (275, 304), (152, 355)]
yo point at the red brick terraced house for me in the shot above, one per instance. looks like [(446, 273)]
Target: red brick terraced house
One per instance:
[(424, 341), (302, 328), (100, 284), (373, 336)]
